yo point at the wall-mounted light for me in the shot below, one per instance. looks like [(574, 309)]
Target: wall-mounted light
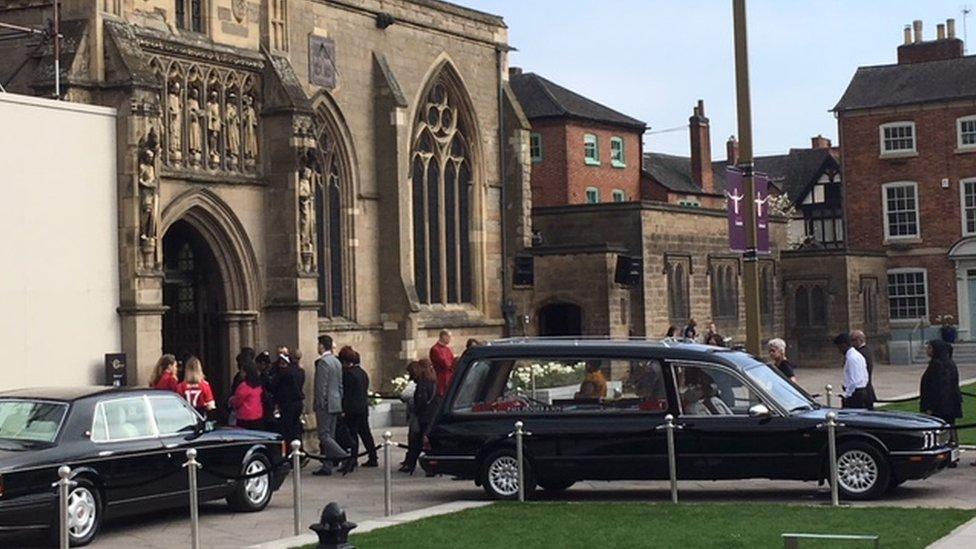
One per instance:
[(384, 20)]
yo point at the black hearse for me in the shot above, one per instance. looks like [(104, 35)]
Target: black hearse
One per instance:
[(592, 408)]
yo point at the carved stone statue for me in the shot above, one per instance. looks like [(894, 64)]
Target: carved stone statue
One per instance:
[(307, 181), (233, 121), (250, 119), (148, 196), (174, 109), (214, 127), (195, 138)]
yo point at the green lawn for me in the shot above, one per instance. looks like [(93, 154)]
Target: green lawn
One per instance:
[(530, 525), (966, 436)]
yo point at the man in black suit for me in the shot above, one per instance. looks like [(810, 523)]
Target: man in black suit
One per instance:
[(355, 408), (860, 342)]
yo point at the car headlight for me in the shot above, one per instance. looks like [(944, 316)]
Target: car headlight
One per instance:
[(943, 437)]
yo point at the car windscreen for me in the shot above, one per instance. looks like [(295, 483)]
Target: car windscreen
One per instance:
[(31, 420), (789, 396)]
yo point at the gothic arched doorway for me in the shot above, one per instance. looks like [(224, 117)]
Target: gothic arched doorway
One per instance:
[(561, 319), (193, 292)]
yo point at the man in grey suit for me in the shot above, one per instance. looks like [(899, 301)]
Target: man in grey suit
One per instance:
[(328, 402)]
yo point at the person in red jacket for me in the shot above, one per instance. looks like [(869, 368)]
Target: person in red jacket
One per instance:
[(195, 388), (247, 400), (442, 357), (164, 374)]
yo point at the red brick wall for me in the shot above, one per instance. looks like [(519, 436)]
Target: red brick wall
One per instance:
[(939, 209), (561, 178)]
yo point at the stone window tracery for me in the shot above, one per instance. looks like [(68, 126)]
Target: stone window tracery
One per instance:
[(279, 24), (441, 192), (329, 229)]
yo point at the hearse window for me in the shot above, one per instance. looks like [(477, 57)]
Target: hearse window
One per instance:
[(122, 419), (30, 421), (711, 391), (583, 385), (172, 415)]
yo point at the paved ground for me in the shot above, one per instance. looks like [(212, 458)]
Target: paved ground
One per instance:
[(361, 492)]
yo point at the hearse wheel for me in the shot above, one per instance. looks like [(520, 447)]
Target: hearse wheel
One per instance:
[(556, 484), (499, 475), (252, 494), (84, 514), (862, 471)]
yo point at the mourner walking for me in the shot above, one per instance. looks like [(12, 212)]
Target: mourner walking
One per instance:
[(939, 392), (328, 403), (425, 400), (286, 386), (855, 373), (355, 408)]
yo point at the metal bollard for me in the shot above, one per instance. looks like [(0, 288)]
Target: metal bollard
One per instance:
[(296, 482), (64, 485), (519, 456), (191, 469), (832, 448), (670, 427), (387, 475), (828, 390)]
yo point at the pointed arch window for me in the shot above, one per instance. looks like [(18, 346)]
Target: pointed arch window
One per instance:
[(332, 228), (441, 192)]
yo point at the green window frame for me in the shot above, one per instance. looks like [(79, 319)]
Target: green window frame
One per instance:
[(592, 195), (535, 147), (591, 149), (618, 158)]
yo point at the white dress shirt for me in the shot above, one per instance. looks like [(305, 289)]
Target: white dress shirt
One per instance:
[(855, 372)]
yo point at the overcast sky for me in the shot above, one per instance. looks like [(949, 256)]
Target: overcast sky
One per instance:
[(652, 59)]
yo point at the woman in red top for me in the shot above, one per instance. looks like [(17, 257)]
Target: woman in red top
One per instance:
[(247, 399), (195, 388), (164, 374)]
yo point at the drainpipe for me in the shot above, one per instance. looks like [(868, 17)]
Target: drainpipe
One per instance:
[(508, 306)]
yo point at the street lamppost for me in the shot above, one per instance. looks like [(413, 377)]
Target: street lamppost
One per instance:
[(750, 259)]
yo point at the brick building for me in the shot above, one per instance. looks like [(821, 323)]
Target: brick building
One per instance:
[(582, 152), (640, 260), (908, 139), (288, 168)]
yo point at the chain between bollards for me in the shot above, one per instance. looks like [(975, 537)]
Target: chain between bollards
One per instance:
[(64, 519), (669, 426), (191, 469), (828, 391), (296, 470), (387, 475)]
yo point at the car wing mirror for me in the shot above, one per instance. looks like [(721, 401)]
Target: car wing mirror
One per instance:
[(209, 425), (758, 410)]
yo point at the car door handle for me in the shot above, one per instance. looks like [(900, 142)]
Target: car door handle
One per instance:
[(169, 445), (105, 453)]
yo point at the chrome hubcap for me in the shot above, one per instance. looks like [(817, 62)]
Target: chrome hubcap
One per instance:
[(81, 512), (857, 471), (256, 489), (503, 476)]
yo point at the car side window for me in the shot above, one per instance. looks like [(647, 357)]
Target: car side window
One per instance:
[(712, 391), (122, 419), (172, 415), (563, 385)]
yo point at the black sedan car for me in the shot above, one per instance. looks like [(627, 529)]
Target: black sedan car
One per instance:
[(593, 409), (126, 449)]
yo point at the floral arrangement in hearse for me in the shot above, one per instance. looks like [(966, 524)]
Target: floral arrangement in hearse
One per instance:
[(948, 331)]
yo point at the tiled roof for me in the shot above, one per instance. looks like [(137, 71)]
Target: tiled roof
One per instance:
[(792, 173), (541, 98), (893, 85)]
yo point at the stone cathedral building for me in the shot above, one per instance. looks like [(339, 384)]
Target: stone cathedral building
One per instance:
[(290, 168)]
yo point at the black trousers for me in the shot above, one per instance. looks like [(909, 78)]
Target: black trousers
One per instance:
[(290, 424), (858, 399), (415, 443), (358, 425)]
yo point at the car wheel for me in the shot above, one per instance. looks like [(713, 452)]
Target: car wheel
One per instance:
[(84, 514), (556, 485), (862, 471), (252, 494), (499, 475)]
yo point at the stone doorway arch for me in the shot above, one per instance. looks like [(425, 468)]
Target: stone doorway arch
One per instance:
[(210, 284)]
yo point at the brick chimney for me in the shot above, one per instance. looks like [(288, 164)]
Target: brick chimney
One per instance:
[(701, 149), (732, 151), (819, 142), (514, 71), (915, 49)]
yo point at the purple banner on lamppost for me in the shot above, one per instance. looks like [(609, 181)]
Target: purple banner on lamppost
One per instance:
[(735, 192)]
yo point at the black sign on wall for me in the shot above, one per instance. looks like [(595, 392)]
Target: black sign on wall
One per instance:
[(116, 370), (322, 69), (524, 271), (629, 270)]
